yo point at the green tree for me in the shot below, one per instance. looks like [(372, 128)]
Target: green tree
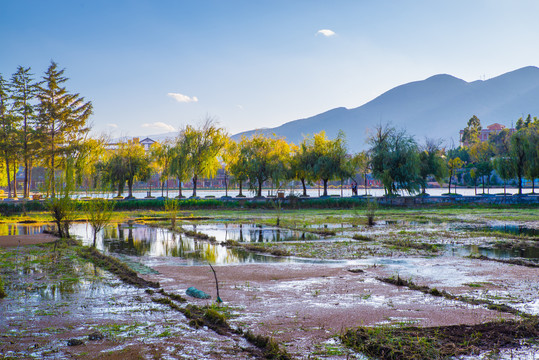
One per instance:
[(23, 93), (98, 214), (62, 210), (480, 154), (431, 163), (329, 158), (361, 164), (302, 164), (88, 154), (202, 147), (161, 156), (237, 163), (62, 121), (8, 141), (179, 162), (128, 163), (517, 154), (265, 158), (504, 168), (453, 164), (395, 160), (531, 169), (472, 131)]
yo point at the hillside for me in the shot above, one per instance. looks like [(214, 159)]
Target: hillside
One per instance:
[(437, 107)]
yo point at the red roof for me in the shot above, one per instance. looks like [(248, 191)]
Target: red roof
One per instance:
[(496, 126)]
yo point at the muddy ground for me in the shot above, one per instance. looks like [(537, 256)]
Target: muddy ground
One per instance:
[(54, 297)]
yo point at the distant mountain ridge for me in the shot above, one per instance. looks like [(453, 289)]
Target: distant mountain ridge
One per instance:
[(437, 107)]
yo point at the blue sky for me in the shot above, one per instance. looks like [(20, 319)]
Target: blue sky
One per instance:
[(153, 66)]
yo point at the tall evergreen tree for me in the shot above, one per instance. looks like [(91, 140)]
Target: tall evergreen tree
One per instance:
[(23, 93), (62, 120), (7, 130)]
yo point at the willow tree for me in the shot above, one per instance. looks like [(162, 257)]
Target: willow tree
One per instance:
[(202, 147), (329, 157), (431, 163), (265, 158), (452, 166), (361, 163), (179, 164), (161, 155), (302, 164), (62, 121), (128, 163), (23, 93), (395, 160), (236, 163), (517, 154)]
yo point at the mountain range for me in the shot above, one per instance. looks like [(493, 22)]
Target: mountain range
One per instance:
[(437, 107)]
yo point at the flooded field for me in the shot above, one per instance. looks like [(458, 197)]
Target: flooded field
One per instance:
[(458, 268)]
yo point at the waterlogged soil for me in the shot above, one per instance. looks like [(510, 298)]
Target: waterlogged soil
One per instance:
[(54, 299), (303, 304)]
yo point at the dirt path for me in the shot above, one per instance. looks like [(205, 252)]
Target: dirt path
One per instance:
[(22, 240)]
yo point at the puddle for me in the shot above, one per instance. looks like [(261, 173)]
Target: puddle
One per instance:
[(529, 253), (513, 229), (22, 229), (251, 233)]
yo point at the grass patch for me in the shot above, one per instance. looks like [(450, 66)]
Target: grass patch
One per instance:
[(269, 346), (361, 237), (388, 342), (398, 281)]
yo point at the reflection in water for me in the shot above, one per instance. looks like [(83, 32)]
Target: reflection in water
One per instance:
[(526, 252), (141, 240), (251, 233), (22, 229), (504, 228)]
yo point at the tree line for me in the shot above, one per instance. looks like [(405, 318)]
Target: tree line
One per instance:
[(43, 124)]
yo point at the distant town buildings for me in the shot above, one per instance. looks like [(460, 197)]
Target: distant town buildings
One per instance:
[(486, 133)]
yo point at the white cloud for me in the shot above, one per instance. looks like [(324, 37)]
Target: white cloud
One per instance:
[(239, 107), (114, 126), (159, 126), (326, 32), (182, 98)]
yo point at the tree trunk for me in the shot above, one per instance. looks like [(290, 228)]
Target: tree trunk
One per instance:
[(325, 187), (8, 176), (241, 189), (533, 186), (304, 187), (259, 192), (179, 189), (53, 185), (30, 167), (130, 188), (15, 179), (195, 178), (226, 185), (365, 184), (162, 188), (449, 184), (25, 185)]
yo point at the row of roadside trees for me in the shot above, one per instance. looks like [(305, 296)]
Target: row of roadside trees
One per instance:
[(394, 158), (43, 124)]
